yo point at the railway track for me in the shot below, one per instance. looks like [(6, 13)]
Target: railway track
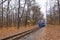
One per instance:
[(20, 35)]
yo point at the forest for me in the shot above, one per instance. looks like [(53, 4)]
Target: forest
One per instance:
[(19, 13)]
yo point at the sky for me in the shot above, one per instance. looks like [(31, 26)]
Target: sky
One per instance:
[(42, 4)]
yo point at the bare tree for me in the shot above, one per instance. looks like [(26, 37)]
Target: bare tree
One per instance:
[(18, 13), (2, 14), (8, 12), (58, 9)]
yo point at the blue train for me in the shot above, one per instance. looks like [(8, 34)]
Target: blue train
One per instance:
[(41, 24)]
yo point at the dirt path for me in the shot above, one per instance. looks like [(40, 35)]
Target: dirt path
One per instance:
[(38, 35)]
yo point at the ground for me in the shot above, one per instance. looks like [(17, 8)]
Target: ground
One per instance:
[(50, 32), (4, 32), (53, 32)]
